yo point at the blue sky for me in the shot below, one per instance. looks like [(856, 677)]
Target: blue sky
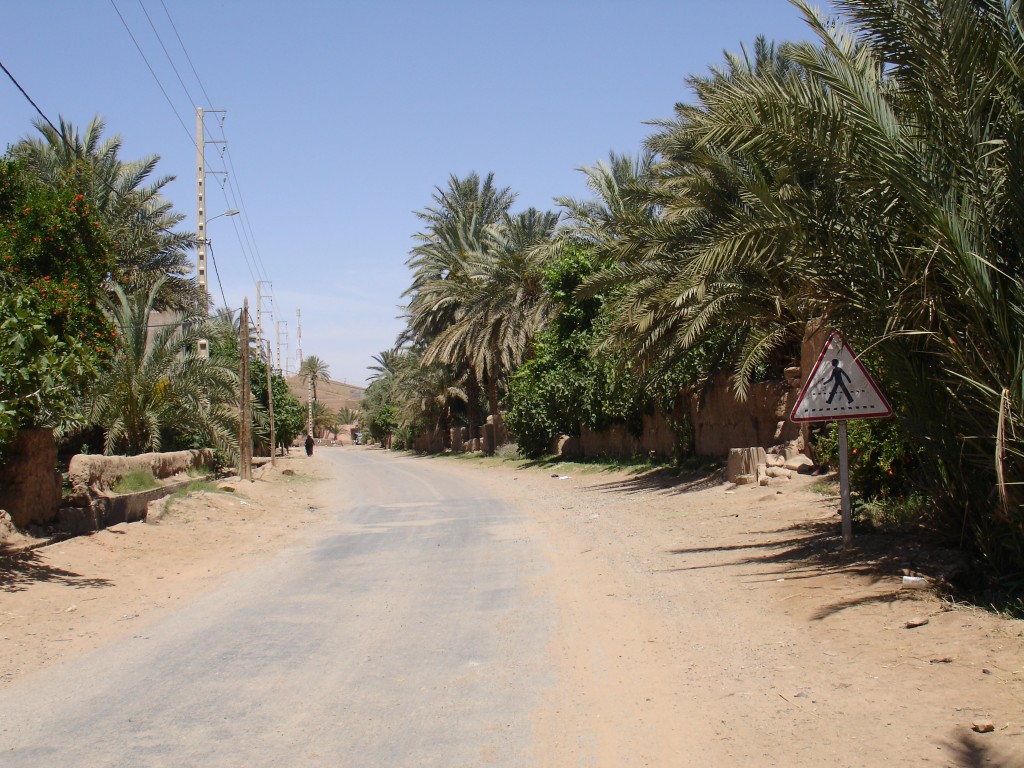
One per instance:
[(342, 117)]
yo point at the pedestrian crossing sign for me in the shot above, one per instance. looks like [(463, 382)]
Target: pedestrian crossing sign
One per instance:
[(839, 387)]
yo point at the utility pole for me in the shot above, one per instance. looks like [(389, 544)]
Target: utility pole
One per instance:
[(201, 271), (270, 409), (244, 409), (309, 398), (279, 358), (204, 345), (309, 382), (259, 314)]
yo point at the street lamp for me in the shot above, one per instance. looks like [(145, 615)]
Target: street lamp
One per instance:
[(204, 347), (229, 212)]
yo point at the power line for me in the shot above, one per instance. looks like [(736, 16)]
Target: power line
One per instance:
[(188, 58), (166, 53), (244, 231), (153, 73), (25, 94), (209, 244)]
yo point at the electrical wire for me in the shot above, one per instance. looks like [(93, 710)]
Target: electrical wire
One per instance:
[(185, 51), (25, 94), (167, 54), (209, 244), (153, 73), (231, 188)]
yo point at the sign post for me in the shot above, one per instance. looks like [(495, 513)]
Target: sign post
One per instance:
[(839, 389)]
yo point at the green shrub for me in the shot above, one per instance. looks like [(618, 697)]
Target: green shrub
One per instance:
[(881, 461), (136, 481), (507, 451), (893, 514)]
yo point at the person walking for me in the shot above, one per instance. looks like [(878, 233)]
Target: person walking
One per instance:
[(309, 445)]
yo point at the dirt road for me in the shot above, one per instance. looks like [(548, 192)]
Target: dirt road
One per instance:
[(695, 625)]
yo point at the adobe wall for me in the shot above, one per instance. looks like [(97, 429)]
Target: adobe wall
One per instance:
[(92, 475), (721, 421), (617, 441), (429, 442), (30, 483)]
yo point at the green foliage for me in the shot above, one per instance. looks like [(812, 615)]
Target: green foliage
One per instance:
[(564, 386), (324, 419), (894, 515), (135, 481), (156, 392), (53, 335), (377, 418), (882, 464), (289, 411), (142, 227)]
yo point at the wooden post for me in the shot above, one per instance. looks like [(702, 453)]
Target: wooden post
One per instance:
[(270, 408), (844, 485), (244, 407)]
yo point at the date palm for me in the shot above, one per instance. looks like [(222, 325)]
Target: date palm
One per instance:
[(458, 233), (870, 180), (156, 390), (501, 303), (138, 219), (313, 370)]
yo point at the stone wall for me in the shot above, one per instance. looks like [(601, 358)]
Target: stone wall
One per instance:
[(30, 484)]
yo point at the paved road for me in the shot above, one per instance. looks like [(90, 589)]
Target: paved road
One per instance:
[(405, 635)]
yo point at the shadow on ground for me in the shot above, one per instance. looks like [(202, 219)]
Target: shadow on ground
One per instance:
[(970, 752), (665, 480), (810, 549), (20, 569)]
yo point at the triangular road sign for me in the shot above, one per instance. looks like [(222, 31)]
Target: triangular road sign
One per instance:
[(839, 387)]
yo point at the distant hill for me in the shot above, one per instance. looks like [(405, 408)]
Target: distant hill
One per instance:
[(334, 394)]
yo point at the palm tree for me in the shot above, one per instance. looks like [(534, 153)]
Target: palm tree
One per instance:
[(501, 304), (324, 419), (312, 370), (138, 219), (697, 262), (869, 182), (459, 230), (157, 390), (386, 363), (620, 205)]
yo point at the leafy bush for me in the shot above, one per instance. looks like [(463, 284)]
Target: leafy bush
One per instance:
[(881, 460), (136, 481)]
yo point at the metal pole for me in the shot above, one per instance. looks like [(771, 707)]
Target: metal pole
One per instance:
[(844, 485)]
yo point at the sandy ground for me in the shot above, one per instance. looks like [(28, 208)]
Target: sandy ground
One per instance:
[(701, 624)]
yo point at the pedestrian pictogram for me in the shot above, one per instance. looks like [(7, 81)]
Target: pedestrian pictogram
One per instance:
[(839, 388)]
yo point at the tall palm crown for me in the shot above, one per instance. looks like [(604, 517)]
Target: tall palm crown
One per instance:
[(137, 218), (156, 386), (313, 369)]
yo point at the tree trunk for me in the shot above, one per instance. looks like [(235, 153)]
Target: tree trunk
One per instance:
[(492, 401), (472, 403)]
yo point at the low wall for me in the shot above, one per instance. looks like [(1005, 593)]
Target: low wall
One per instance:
[(104, 511), (91, 475)]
